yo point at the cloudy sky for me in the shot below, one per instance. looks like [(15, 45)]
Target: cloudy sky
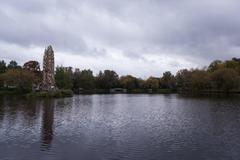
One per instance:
[(138, 37)]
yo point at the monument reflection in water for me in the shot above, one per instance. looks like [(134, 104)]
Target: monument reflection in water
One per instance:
[(47, 123), (28, 114)]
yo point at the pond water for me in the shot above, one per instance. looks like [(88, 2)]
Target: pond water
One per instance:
[(120, 127)]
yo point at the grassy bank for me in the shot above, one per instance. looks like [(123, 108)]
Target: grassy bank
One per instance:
[(5, 91), (51, 94), (70, 93), (209, 91), (151, 91), (2, 93), (56, 93), (133, 91)]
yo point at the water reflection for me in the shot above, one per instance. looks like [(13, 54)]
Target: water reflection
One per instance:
[(129, 127), (47, 124), (1, 109)]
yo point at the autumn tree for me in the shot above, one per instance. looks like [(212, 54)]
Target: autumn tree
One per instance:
[(199, 80), (225, 79), (22, 80), (233, 64), (215, 65), (129, 82), (152, 83)]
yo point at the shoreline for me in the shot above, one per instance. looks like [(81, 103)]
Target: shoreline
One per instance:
[(70, 93)]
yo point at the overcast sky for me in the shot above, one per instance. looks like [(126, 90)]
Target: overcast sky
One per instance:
[(138, 37)]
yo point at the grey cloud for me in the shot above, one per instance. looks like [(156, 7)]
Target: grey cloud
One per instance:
[(195, 30)]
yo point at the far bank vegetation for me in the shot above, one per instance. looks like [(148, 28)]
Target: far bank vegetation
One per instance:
[(219, 76)]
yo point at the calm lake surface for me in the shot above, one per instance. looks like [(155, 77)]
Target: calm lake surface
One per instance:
[(120, 127)]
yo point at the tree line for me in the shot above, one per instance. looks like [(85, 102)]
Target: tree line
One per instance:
[(218, 76)]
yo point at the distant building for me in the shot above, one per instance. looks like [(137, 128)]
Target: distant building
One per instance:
[(48, 82)]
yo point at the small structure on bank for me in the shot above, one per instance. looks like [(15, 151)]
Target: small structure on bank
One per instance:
[(48, 82), (118, 90), (32, 66)]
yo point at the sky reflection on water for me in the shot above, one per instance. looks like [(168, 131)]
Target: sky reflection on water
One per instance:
[(131, 127)]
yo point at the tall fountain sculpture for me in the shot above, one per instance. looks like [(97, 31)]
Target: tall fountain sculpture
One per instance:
[(48, 82)]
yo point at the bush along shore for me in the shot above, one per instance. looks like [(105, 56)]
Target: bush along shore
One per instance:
[(218, 77), (51, 94), (125, 91)]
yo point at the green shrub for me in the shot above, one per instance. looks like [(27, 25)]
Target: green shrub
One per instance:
[(51, 94), (66, 93)]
